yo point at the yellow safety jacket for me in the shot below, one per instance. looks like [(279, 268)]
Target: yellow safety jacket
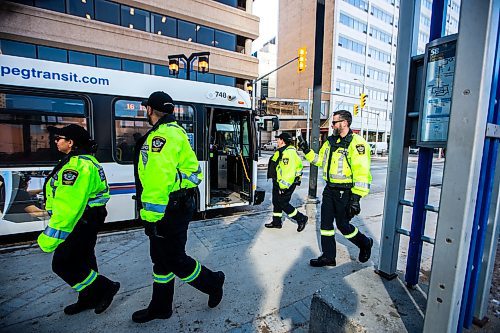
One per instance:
[(165, 163), (288, 167), (78, 184), (347, 164)]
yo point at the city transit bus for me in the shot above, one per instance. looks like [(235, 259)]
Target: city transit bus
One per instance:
[(37, 94)]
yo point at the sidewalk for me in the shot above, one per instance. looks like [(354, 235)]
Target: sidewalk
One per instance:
[(269, 283)]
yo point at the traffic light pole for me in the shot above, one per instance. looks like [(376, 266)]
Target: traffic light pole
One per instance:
[(317, 82)]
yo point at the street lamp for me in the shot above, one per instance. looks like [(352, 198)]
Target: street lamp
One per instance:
[(203, 63)]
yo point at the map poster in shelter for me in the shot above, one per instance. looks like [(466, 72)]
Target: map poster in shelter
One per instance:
[(438, 92)]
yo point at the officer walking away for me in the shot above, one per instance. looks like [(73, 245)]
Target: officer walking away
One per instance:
[(166, 176), (285, 169), (76, 193), (345, 159)]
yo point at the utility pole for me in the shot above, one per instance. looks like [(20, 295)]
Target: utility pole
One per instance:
[(317, 82)]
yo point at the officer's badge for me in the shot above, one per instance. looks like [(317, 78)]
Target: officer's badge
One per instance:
[(361, 149), (69, 177), (157, 144), (285, 161)]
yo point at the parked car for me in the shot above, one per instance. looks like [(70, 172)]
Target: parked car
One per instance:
[(271, 145), (414, 150)]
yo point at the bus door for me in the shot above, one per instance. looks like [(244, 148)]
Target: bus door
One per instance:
[(230, 158)]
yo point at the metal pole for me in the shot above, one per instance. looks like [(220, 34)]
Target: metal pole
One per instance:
[(309, 92), (317, 81), (260, 141)]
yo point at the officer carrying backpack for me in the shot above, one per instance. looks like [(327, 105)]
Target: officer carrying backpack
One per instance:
[(272, 165)]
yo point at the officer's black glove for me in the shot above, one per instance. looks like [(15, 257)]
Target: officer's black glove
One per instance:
[(150, 228), (298, 181), (353, 207), (304, 146)]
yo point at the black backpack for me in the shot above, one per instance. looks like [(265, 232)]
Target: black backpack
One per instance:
[(272, 165)]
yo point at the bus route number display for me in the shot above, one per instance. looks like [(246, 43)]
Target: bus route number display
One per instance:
[(438, 92)]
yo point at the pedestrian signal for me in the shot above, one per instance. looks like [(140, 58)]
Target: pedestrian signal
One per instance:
[(356, 109), (302, 59), (362, 100)]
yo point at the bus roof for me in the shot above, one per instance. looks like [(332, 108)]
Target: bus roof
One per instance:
[(27, 72)]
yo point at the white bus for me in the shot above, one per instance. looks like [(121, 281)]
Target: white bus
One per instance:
[(36, 94)]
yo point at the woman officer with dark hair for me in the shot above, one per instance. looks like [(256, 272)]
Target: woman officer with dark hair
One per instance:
[(76, 193)]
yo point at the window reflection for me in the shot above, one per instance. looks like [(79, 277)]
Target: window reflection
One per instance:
[(205, 35), (136, 66), (225, 40), (82, 8), (164, 25), (109, 62), (187, 31), (106, 11), (18, 49), (81, 58), (135, 18), (56, 5), (52, 54)]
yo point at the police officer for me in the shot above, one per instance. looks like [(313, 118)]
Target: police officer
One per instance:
[(345, 159), (285, 169), (76, 193), (166, 176)]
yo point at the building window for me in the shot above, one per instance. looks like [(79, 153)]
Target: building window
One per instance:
[(81, 58), (225, 80), (134, 18), (349, 88), (109, 62), (361, 4), (19, 49), (82, 8), (164, 25), (205, 77), (107, 11), (382, 15), (55, 5), (159, 70), (427, 4), (352, 45), (377, 95), (205, 35), (425, 21), (380, 35), (136, 66), (232, 3), (52, 54), (378, 75), (225, 40), (187, 31), (380, 55), (352, 22), (350, 66)]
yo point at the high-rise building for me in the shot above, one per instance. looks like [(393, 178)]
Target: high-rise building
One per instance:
[(359, 55), (135, 36)]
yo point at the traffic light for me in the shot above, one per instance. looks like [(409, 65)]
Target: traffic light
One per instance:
[(356, 109), (302, 60), (362, 100)]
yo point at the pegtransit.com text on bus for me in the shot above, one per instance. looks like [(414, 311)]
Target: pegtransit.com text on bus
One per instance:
[(27, 73)]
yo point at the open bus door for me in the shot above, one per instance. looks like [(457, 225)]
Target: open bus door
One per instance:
[(230, 162)]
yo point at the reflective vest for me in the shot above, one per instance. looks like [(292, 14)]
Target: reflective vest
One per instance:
[(166, 163), (348, 163), (80, 183), (288, 167)]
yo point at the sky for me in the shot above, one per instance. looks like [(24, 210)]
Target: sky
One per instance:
[(267, 10)]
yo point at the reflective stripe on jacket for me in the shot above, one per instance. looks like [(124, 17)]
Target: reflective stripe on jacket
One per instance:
[(79, 183), (347, 166), (289, 167), (166, 163)]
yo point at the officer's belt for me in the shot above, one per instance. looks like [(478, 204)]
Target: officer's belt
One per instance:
[(182, 193), (336, 186)]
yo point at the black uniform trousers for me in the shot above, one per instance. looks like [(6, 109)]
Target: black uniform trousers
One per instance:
[(281, 203), (75, 258), (333, 208), (168, 249)]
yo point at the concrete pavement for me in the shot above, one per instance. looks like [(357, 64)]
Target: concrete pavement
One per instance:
[(269, 283)]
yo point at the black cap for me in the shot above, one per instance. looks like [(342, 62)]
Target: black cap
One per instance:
[(160, 101), (285, 137), (74, 132)]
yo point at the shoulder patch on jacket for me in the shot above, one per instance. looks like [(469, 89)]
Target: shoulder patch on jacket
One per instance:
[(157, 144), (361, 149), (285, 161), (69, 177)]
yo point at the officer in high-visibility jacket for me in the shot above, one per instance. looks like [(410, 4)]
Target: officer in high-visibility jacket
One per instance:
[(345, 159), (285, 169), (166, 176), (76, 193)]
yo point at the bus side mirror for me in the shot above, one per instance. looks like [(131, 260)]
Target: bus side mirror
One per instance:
[(276, 124)]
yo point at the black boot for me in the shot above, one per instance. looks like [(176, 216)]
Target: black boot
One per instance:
[(301, 222), (105, 291), (85, 302), (210, 283), (365, 251), (273, 225), (160, 306), (322, 261)]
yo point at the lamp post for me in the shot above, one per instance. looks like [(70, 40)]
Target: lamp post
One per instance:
[(203, 63), (361, 110)]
